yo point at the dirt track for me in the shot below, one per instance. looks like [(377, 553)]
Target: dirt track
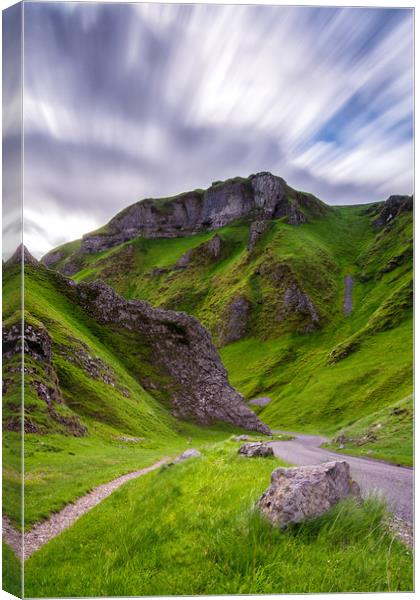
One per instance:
[(58, 522)]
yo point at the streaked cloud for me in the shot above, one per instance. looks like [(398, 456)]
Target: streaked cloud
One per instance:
[(130, 101)]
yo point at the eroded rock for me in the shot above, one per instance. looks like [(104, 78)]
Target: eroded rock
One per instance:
[(391, 208), (297, 301), (235, 320), (190, 453), (258, 197), (303, 493), (255, 449), (257, 229), (188, 367)]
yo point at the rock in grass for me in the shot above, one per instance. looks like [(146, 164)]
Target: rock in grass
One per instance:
[(263, 401), (303, 493), (191, 453), (255, 449), (242, 438)]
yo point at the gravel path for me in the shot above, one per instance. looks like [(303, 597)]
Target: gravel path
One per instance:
[(58, 522), (348, 295), (394, 484)]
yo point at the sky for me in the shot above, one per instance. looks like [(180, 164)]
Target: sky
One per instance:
[(129, 101)]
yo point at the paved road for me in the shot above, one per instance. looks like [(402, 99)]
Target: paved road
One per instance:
[(348, 295), (393, 483)]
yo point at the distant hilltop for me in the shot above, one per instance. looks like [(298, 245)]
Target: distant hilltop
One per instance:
[(261, 196)]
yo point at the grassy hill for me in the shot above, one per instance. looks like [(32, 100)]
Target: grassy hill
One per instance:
[(97, 406), (87, 418), (276, 311)]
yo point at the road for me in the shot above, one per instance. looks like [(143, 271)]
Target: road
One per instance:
[(348, 295), (394, 484)]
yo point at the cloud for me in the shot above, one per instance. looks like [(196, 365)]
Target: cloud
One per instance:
[(130, 101)]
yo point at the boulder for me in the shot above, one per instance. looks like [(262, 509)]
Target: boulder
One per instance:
[(255, 449), (191, 453), (262, 401), (242, 438), (303, 493)]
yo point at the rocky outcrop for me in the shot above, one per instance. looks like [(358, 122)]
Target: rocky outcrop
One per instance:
[(42, 379), (299, 303), (257, 229), (259, 197), (302, 493), (94, 367), (21, 254), (391, 208), (234, 321), (204, 253), (189, 368), (255, 449)]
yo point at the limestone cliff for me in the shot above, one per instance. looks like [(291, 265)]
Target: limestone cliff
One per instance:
[(189, 366), (259, 197)]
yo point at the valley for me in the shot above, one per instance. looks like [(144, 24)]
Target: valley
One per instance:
[(154, 334)]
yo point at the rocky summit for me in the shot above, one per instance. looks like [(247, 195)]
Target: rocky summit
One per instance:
[(258, 197)]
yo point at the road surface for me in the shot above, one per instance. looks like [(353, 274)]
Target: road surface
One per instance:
[(394, 484), (348, 295)]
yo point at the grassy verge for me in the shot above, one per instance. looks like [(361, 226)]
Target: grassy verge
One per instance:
[(11, 572), (192, 529), (59, 469), (386, 434)]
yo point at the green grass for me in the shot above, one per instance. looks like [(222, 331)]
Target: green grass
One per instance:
[(308, 393), (386, 434), (348, 367), (58, 466), (11, 572), (59, 469), (191, 529)]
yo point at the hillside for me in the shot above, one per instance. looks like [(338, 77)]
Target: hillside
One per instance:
[(271, 292), (143, 342), (98, 383)]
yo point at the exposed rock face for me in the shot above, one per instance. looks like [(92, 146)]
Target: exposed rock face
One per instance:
[(296, 301), (52, 258), (191, 370), (93, 366), (256, 449), (214, 246), (44, 380), (185, 260), (21, 254), (261, 196), (205, 252), (235, 320), (257, 229), (391, 208), (302, 493)]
